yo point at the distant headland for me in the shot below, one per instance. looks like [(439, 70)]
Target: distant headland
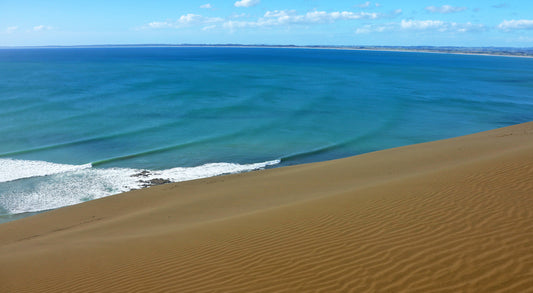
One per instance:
[(498, 51)]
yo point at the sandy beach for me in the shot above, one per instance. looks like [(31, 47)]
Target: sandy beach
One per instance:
[(446, 216)]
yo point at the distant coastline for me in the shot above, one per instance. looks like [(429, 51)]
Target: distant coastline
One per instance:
[(491, 51)]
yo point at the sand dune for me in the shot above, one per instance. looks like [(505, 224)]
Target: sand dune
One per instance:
[(446, 216)]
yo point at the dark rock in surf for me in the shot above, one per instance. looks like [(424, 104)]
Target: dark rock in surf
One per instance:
[(155, 181)]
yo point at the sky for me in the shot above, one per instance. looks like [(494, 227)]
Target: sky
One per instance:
[(470, 23)]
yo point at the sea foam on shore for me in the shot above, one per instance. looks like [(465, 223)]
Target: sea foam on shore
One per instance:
[(32, 186)]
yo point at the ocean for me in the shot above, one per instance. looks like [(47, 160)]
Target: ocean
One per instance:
[(78, 124)]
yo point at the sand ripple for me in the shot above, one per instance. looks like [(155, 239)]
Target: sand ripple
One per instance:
[(447, 216)]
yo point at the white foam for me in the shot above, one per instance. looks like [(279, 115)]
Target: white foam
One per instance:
[(209, 170), (18, 169), (71, 186)]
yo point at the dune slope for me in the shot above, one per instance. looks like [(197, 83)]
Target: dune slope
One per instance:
[(447, 216)]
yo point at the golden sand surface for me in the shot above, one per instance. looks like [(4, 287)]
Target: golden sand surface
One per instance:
[(448, 216)]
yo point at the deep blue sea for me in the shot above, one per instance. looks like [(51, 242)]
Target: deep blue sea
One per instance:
[(82, 123)]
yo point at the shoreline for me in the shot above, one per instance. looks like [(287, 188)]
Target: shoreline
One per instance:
[(449, 215), (410, 49)]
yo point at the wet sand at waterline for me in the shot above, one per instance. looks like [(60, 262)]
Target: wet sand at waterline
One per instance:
[(448, 216)]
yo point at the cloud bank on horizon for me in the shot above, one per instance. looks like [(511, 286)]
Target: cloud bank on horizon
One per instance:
[(302, 22)]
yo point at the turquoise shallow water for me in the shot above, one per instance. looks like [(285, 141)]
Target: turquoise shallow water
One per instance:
[(78, 123)]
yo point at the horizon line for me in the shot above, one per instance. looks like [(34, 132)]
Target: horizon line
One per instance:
[(262, 45), (491, 51)]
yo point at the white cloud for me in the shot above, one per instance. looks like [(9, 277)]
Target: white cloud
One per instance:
[(206, 6), (441, 26), (232, 24), (422, 25), (160, 24), (246, 3), (190, 19), (40, 28), (209, 27), (521, 24), (364, 5), (269, 19), (445, 9), (290, 16), (184, 21), (366, 29), (367, 4), (285, 17), (280, 13), (239, 15), (11, 29)]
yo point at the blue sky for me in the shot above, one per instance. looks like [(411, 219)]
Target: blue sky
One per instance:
[(301, 22)]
